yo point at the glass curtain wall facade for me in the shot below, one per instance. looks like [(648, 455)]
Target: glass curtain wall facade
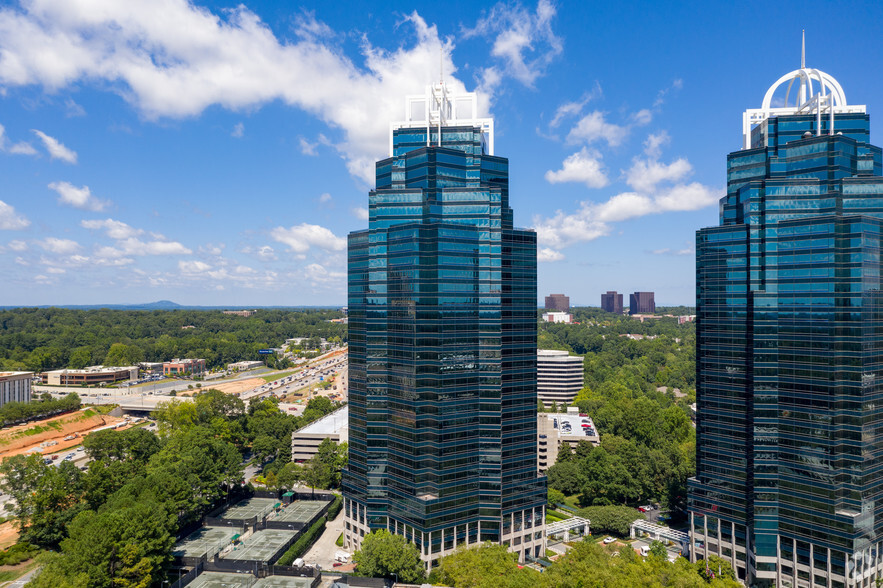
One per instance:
[(789, 486), (442, 354)]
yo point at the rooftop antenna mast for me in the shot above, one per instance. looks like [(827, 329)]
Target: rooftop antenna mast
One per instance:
[(803, 51)]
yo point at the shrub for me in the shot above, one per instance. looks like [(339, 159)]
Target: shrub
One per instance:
[(611, 519), (303, 543), (335, 508)]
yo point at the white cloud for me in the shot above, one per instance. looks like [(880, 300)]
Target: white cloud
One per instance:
[(360, 213), (318, 275), (128, 243), (10, 220), (324, 198), (77, 197), (302, 237), (676, 84), (21, 148), (569, 109), (60, 246), (583, 166), (308, 148), (654, 142), (524, 41), (643, 117), (193, 266), (17, 245), (546, 254), (55, 270), (115, 229), (645, 174), (267, 253), (593, 219), (73, 109), (238, 130), (594, 127), (180, 60), (53, 146)]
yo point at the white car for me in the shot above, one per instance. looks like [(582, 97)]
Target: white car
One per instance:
[(608, 540)]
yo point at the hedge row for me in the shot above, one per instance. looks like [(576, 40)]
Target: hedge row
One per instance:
[(334, 508), (301, 546)]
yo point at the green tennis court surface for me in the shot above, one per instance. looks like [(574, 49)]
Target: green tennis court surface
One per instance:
[(204, 541), (260, 546), (250, 508), (223, 580), (300, 511), (283, 582)]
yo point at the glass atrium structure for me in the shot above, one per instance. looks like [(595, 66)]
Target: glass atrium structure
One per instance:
[(442, 352), (789, 351)]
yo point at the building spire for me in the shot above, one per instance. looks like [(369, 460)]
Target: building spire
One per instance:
[(803, 50)]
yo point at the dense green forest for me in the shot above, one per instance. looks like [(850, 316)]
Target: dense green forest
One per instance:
[(115, 523), (647, 449), (39, 339)]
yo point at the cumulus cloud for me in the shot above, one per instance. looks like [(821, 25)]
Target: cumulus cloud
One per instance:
[(20, 148), (308, 148), (325, 198), (53, 146), (594, 127), (654, 142), (180, 60), (238, 130), (77, 197), (645, 174), (584, 166), (319, 275), (128, 241), (524, 41), (359, 212), (546, 254), (593, 220), (17, 245), (60, 246), (11, 220), (301, 238), (574, 108)]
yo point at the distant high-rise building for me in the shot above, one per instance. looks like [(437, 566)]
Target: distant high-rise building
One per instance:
[(642, 303), (558, 302), (442, 345), (789, 356), (611, 302)]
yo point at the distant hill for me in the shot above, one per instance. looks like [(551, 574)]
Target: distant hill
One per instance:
[(163, 305)]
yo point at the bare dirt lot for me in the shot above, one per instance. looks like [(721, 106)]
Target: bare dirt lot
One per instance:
[(8, 534), (237, 387), (49, 434)]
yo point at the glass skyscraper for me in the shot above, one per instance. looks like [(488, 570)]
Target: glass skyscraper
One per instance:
[(789, 480), (442, 344)]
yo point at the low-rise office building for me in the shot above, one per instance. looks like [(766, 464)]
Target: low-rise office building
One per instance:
[(15, 387), (560, 376), (181, 367), (241, 366), (558, 317), (555, 429), (305, 442), (90, 376), (150, 368)]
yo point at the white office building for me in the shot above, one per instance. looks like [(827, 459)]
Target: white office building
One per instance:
[(15, 387), (559, 376)]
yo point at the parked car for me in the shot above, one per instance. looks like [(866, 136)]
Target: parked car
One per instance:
[(608, 540)]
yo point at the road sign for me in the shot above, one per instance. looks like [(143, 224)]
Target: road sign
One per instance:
[(265, 351)]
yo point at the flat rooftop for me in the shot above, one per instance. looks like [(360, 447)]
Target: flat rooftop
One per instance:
[(329, 424), (570, 426), (207, 540), (260, 546)]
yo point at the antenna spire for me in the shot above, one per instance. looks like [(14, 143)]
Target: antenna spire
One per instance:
[(803, 50), (441, 63)]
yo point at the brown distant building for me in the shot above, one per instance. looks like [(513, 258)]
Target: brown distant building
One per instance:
[(180, 367), (642, 303), (558, 302), (242, 313), (611, 302)]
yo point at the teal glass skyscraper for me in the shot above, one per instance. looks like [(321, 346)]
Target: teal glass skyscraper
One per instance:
[(789, 485), (442, 344)]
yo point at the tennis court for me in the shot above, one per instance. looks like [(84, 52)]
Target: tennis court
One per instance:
[(223, 580), (260, 546), (300, 511), (283, 582), (250, 508), (205, 541)]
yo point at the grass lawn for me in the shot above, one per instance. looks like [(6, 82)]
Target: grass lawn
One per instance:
[(16, 572), (572, 501)]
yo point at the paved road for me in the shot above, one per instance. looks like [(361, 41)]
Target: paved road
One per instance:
[(323, 550), (23, 580)]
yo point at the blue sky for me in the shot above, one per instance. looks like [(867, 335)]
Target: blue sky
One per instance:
[(217, 153)]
